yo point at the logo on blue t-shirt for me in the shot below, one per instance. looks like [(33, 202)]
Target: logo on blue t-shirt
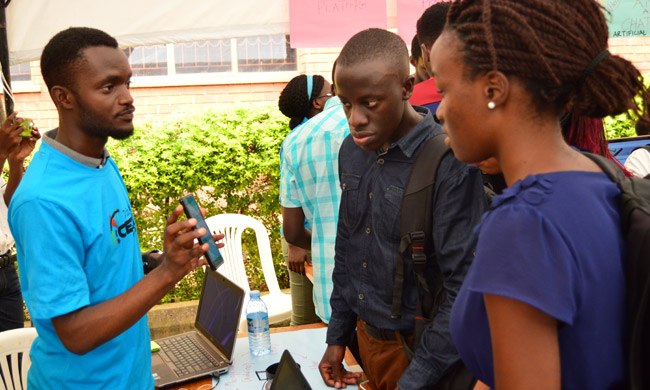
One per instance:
[(120, 230)]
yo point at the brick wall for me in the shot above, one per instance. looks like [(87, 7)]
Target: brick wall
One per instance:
[(636, 49), (165, 101), (318, 61), (34, 101), (161, 102)]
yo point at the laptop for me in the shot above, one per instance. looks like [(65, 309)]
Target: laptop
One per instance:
[(288, 375), (208, 349), (621, 148)]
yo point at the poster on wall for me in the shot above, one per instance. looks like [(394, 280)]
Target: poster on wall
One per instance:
[(408, 13), (330, 23), (628, 18)]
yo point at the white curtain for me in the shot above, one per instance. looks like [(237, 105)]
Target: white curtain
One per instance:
[(31, 23)]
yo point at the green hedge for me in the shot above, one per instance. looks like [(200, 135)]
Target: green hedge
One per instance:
[(228, 156)]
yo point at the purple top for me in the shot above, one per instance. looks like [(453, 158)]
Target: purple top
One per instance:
[(552, 241)]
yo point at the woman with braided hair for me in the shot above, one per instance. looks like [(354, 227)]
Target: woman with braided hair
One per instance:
[(543, 304), (303, 97)]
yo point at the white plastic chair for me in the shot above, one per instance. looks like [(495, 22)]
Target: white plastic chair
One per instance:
[(232, 225), (13, 343)]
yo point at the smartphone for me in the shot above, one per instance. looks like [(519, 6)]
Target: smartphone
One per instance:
[(28, 128), (192, 210)]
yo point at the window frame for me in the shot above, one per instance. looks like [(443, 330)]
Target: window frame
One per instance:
[(214, 78), (25, 86)]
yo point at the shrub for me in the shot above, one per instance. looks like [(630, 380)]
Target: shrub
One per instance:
[(228, 157), (619, 126)]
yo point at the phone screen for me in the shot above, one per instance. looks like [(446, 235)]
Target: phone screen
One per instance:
[(192, 210)]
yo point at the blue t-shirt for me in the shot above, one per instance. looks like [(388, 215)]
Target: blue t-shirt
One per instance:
[(552, 241), (77, 246)]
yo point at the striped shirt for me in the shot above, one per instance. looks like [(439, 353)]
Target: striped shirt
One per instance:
[(309, 179)]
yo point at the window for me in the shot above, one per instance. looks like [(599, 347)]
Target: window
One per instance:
[(261, 54), (203, 56), (148, 60), (20, 72), (265, 54)]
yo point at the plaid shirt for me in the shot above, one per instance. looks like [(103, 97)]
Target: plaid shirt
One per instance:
[(309, 179)]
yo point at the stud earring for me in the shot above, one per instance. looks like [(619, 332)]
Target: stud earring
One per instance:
[(492, 105)]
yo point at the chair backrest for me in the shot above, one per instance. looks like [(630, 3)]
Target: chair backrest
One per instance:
[(232, 225), (15, 344)]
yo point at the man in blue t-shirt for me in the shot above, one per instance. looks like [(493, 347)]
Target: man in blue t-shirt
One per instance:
[(80, 263)]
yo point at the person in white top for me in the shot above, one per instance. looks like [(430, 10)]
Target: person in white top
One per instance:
[(639, 162), (14, 148)]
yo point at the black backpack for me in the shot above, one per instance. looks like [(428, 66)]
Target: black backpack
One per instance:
[(416, 242), (635, 223)]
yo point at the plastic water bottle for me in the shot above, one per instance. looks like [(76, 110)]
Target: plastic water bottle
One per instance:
[(259, 337)]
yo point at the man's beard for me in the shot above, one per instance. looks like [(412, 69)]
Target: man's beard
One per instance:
[(93, 125)]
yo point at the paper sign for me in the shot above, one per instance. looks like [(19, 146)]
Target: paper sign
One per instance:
[(628, 18), (330, 23), (408, 13)]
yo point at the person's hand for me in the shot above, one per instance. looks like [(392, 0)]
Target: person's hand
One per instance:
[(25, 147), (297, 258), (9, 135), (332, 370), (181, 255)]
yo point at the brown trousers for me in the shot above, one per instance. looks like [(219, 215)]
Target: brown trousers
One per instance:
[(384, 361)]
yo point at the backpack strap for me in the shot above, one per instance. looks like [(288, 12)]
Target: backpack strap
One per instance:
[(628, 187), (415, 221), (609, 167), (635, 222), (616, 174)]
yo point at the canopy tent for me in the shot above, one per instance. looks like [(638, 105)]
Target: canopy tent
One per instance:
[(31, 23)]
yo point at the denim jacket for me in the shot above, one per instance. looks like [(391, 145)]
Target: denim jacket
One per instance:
[(367, 242)]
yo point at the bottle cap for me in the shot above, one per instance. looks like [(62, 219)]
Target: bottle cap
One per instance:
[(255, 294)]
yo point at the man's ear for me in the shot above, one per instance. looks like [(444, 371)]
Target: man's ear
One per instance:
[(62, 97), (407, 87), (426, 58), (496, 88)]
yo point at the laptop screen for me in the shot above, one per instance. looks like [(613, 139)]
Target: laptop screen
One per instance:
[(219, 311), (621, 148)]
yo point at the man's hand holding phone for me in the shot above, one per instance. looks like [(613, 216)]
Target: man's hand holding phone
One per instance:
[(192, 210), (181, 254)]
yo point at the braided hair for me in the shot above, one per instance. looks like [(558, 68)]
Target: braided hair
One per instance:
[(550, 46), (295, 101)]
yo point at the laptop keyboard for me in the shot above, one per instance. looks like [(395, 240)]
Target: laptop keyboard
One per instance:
[(186, 355)]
